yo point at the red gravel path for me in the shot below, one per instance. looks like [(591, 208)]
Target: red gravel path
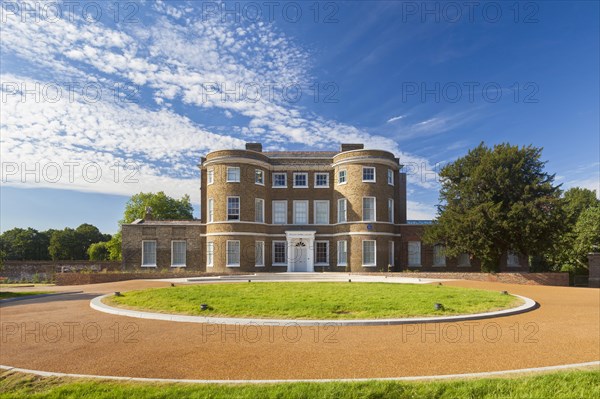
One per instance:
[(565, 329)]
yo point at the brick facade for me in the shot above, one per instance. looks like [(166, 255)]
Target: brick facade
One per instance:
[(305, 241)]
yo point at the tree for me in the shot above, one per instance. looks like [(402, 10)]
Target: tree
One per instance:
[(587, 235), (163, 208), (64, 245), (562, 256), (25, 244), (73, 244), (98, 251), (494, 200)]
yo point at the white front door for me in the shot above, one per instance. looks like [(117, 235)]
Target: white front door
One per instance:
[(300, 258)]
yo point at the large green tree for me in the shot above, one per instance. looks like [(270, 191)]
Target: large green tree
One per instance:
[(73, 244), (25, 244), (497, 199), (563, 256), (163, 208)]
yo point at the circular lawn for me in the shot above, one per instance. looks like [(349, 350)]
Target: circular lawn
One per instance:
[(315, 300)]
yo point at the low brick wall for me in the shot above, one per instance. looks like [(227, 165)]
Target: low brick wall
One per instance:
[(16, 270), (594, 267), (97, 278), (556, 279)]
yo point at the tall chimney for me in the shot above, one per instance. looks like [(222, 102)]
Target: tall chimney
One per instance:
[(254, 147), (350, 147)]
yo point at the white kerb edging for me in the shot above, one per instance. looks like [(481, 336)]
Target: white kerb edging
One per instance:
[(98, 305)]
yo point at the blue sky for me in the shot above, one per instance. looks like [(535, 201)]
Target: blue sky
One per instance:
[(102, 101)]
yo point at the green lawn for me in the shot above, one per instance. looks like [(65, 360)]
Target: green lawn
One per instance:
[(563, 385), (315, 300), (6, 295)]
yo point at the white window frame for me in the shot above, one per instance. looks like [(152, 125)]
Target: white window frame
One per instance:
[(340, 244), (409, 250), (300, 174), (262, 210), (345, 209), (364, 219), (326, 263), (239, 209), (326, 179), (261, 262), (144, 264), (173, 253), (439, 260), (210, 210), (273, 211), (391, 253), (210, 176), (261, 173), (284, 253), (374, 174), (391, 210), (510, 255), (228, 263), (315, 213), (275, 179), (345, 172), (463, 264), (374, 263), (390, 177), (294, 211), (210, 253), (239, 174)]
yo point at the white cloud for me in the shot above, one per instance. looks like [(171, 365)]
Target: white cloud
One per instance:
[(395, 118), (175, 62)]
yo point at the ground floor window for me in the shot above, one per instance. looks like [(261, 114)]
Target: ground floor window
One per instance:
[(342, 257), (178, 252), (233, 253), (464, 260), (210, 253), (322, 252), (439, 255), (368, 256), (512, 259), (279, 252), (259, 254), (149, 253), (414, 253), (392, 261)]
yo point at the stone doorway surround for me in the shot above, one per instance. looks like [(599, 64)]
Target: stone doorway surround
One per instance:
[(306, 239)]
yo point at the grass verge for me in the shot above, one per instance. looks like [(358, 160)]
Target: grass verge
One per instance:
[(315, 300), (561, 385), (6, 294)]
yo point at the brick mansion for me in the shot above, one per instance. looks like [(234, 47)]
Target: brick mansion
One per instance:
[(295, 211)]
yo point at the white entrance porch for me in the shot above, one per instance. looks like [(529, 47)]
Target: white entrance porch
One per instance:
[(300, 246)]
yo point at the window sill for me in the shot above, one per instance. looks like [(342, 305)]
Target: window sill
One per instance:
[(279, 264), (300, 186), (231, 181), (259, 265), (369, 265), (279, 187), (259, 184), (178, 265), (233, 265), (369, 181), (210, 265), (321, 186), (322, 264), (342, 264), (148, 266)]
